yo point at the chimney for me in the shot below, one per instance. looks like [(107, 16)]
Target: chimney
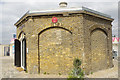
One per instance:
[(63, 4)]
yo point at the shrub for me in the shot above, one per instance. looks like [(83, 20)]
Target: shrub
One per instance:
[(77, 72), (91, 72), (60, 74), (45, 73)]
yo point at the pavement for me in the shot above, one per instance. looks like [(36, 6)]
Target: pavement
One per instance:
[(107, 73), (8, 70)]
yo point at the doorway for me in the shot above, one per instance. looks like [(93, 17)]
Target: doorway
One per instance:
[(23, 54)]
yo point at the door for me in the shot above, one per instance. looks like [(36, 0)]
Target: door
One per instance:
[(23, 55), (17, 53)]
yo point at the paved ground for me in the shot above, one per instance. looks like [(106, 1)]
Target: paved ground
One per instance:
[(108, 73), (9, 71)]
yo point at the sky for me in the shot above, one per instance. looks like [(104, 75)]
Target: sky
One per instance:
[(13, 10)]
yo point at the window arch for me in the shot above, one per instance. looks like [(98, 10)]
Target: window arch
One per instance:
[(100, 30), (54, 27), (22, 32)]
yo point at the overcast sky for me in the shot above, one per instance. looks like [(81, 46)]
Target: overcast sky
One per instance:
[(12, 10)]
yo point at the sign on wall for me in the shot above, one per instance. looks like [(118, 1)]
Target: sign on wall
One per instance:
[(54, 20)]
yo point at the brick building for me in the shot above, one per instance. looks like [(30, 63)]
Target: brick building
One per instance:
[(49, 40)]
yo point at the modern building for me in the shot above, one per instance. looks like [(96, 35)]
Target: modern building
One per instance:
[(12, 48), (49, 40), (0, 50), (116, 42), (5, 50)]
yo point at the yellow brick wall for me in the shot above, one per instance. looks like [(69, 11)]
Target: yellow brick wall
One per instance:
[(91, 23), (52, 50)]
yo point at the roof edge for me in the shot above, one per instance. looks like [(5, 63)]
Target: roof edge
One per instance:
[(95, 12), (24, 16), (62, 11)]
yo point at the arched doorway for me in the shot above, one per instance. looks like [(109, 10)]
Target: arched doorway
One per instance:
[(98, 50), (55, 45), (20, 51)]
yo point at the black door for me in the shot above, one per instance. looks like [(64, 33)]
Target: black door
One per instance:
[(17, 57)]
